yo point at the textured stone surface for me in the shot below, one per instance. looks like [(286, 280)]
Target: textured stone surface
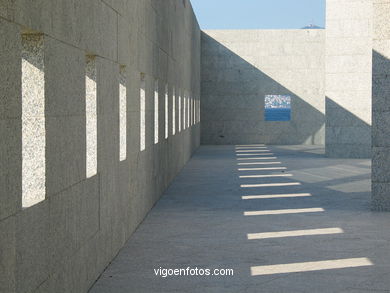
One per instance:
[(64, 81), (32, 246), (65, 108), (33, 120), (381, 107), (10, 114), (91, 115), (122, 114), (74, 219), (65, 157), (348, 70), (63, 243), (7, 255), (380, 199), (10, 45), (239, 68), (11, 162)]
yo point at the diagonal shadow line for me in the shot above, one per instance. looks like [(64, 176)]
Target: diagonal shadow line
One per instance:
[(346, 135), (305, 127), (224, 122)]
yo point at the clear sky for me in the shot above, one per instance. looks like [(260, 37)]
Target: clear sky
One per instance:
[(259, 14)]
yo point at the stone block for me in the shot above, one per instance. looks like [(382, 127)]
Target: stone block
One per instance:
[(97, 36), (108, 87), (133, 132), (65, 152), (348, 46), (11, 171), (352, 28), (10, 70), (380, 20), (64, 79), (380, 129), (73, 220), (347, 9), (380, 199), (348, 134), (354, 81), (127, 43), (380, 166), (32, 245), (7, 9), (380, 94), (382, 47), (348, 63), (7, 255), (34, 15), (347, 150)]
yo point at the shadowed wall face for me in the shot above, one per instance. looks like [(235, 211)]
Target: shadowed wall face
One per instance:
[(381, 107), (348, 78), (241, 67)]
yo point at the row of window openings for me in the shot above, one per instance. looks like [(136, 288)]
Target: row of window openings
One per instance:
[(33, 118), (186, 108)]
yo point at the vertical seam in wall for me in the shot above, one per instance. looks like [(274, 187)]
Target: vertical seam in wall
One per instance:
[(99, 196), (117, 36)]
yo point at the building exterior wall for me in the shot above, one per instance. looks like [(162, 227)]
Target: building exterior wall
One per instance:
[(64, 242), (348, 78), (381, 107), (240, 67)]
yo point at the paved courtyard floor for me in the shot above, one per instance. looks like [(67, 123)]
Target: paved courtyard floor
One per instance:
[(283, 218)]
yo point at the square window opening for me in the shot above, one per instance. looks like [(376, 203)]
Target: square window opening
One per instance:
[(277, 108)]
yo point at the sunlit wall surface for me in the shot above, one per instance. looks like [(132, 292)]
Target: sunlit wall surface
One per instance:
[(33, 120)]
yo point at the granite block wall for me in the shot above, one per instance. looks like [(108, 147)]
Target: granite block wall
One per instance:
[(348, 78), (241, 67), (63, 241), (381, 106)]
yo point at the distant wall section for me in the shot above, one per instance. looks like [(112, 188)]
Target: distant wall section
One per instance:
[(241, 67)]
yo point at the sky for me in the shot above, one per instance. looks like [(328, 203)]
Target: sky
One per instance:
[(259, 14)]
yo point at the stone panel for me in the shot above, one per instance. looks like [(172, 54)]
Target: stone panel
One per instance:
[(348, 78)]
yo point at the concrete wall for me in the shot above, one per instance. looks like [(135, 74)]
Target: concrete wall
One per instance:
[(348, 78), (381, 107), (64, 242), (240, 67)]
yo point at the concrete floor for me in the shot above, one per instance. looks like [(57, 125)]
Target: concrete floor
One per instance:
[(202, 221)]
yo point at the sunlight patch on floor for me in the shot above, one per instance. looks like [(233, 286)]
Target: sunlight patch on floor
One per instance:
[(295, 233), (262, 169), (266, 176), (310, 266), (266, 196), (284, 211), (270, 185)]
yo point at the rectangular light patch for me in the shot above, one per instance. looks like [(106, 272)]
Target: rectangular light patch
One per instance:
[(310, 266), (295, 233), (282, 212)]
